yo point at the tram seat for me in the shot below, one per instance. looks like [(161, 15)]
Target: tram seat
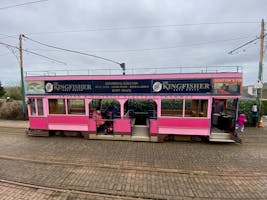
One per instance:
[(127, 117), (77, 111), (126, 114), (168, 112)]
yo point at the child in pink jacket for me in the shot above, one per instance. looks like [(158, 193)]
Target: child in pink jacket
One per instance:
[(241, 122)]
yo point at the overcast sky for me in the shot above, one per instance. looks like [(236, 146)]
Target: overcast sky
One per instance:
[(142, 33)]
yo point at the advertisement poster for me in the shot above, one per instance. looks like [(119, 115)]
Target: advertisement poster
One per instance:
[(227, 86), (202, 86), (35, 87), (68, 86), (218, 86)]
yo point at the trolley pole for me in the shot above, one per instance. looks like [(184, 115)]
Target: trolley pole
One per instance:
[(22, 78), (260, 75)]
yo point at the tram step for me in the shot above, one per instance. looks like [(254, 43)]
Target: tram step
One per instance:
[(140, 130), (220, 140), (220, 137), (140, 138)]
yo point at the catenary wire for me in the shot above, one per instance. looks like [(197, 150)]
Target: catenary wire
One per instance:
[(31, 52), (161, 48), (21, 4), (72, 51)]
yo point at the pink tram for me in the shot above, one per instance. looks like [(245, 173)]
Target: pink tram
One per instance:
[(135, 107)]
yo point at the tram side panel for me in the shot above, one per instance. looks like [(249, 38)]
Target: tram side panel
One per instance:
[(182, 126)]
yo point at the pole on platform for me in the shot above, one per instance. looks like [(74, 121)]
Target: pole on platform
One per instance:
[(260, 75), (22, 78)]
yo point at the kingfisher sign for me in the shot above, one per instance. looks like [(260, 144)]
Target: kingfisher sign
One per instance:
[(139, 86)]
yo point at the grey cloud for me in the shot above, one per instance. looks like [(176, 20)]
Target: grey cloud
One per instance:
[(67, 15)]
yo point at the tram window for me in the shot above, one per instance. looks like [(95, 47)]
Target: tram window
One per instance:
[(56, 106), (31, 102), (40, 107), (196, 108), (95, 104), (76, 106), (172, 107)]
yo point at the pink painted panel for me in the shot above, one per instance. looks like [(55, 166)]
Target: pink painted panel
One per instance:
[(122, 125), (185, 122), (67, 119), (154, 128), (91, 125), (38, 123), (146, 76), (184, 131), (68, 127)]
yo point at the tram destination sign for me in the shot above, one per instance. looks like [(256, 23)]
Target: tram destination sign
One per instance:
[(182, 86), (122, 86), (145, 86)]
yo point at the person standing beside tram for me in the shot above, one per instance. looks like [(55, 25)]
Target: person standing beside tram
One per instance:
[(254, 111)]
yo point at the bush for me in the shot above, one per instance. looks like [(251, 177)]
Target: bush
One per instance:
[(13, 92), (11, 110), (245, 106)]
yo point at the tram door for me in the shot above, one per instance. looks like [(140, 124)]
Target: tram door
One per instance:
[(140, 112), (224, 115)]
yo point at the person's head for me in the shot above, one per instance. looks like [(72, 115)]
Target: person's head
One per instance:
[(98, 111), (242, 115), (8, 98)]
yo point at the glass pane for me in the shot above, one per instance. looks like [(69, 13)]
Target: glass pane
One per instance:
[(172, 107), (31, 101), (94, 105), (40, 107), (76, 106), (196, 108), (56, 106), (188, 108)]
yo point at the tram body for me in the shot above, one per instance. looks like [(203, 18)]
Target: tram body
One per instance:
[(135, 107)]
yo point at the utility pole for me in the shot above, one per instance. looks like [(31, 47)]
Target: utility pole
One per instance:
[(260, 75), (22, 78)]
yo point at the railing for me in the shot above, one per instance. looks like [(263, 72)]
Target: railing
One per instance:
[(132, 71)]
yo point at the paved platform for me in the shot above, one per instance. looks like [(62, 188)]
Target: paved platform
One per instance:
[(75, 168), (14, 123)]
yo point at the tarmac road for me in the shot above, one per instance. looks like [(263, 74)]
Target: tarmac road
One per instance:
[(75, 168)]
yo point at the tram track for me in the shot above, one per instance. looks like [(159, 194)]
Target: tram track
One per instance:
[(75, 182), (70, 192), (96, 178), (204, 172)]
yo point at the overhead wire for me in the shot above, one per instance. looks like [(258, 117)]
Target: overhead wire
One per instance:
[(31, 52), (136, 27), (21, 4), (161, 48), (140, 27), (7, 36), (72, 51)]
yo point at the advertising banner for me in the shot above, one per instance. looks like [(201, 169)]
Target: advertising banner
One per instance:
[(182, 86), (68, 86), (227, 86), (217, 86)]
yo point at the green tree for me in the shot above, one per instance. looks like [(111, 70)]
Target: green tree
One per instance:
[(2, 90)]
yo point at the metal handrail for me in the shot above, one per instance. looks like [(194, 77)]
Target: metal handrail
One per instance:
[(135, 71)]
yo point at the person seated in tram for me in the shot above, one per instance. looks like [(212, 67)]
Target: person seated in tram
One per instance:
[(109, 113), (99, 120)]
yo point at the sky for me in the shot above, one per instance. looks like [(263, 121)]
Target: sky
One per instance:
[(150, 36)]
